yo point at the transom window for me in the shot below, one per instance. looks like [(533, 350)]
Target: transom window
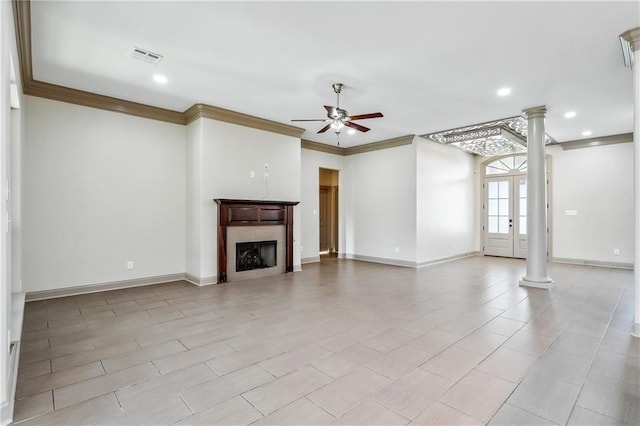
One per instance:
[(507, 165)]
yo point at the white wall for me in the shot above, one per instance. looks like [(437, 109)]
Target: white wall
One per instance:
[(380, 204), (5, 242), (447, 204), (100, 189), (598, 183), (312, 161), (229, 153), (193, 262), (11, 300)]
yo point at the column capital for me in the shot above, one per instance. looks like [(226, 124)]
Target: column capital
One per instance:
[(632, 36), (535, 112)]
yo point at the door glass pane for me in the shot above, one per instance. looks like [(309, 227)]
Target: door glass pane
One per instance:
[(493, 208), (498, 206), (504, 207), (522, 230), (493, 190), (503, 191), (493, 224)]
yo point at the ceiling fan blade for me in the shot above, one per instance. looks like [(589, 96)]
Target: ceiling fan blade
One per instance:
[(356, 126), (325, 128), (365, 116), (311, 119)]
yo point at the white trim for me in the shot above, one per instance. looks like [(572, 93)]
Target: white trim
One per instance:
[(448, 258), (383, 260), (6, 413), (407, 263), (599, 263), (195, 280), (536, 284), (312, 259), (94, 288)]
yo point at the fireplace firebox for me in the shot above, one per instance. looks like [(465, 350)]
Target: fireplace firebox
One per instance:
[(256, 255)]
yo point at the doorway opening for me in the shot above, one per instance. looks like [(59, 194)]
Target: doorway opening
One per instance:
[(328, 212), (504, 206)]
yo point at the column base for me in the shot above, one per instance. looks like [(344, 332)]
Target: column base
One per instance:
[(635, 329), (544, 283)]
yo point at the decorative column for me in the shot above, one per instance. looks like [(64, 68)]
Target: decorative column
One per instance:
[(632, 37), (536, 275)]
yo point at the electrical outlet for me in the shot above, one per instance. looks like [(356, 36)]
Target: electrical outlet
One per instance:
[(616, 252), (396, 249), (130, 264), (252, 174)]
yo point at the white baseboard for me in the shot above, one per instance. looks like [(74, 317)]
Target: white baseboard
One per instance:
[(194, 279), (94, 288), (605, 264), (448, 258), (382, 260), (407, 263), (312, 259)]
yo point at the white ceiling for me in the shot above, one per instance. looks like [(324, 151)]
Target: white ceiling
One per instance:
[(428, 66)]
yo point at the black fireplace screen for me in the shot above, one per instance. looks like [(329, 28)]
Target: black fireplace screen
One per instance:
[(255, 255)]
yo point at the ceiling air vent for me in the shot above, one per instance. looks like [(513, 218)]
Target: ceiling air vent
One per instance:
[(145, 55)]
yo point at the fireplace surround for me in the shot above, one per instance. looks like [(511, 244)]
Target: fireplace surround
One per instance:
[(256, 214)]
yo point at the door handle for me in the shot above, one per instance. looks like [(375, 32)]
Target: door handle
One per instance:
[(510, 223)]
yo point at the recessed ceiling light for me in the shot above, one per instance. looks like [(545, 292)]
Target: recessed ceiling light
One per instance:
[(587, 133), (504, 91), (570, 114), (160, 79), (351, 131)]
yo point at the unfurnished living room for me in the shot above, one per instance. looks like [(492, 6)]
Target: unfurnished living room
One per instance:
[(319, 212)]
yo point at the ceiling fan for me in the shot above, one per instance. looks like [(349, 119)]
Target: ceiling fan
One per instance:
[(340, 117)]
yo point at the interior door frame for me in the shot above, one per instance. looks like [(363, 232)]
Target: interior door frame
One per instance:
[(483, 175)]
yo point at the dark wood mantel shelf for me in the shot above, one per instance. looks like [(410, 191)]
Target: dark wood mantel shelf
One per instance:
[(253, 213)]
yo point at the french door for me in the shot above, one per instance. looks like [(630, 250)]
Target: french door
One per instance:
[(505, 216)]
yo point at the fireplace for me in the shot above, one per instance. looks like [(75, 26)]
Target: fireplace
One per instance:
[(256, 255), (242, 222)]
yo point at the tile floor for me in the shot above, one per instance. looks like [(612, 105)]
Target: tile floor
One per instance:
[(342, 342)]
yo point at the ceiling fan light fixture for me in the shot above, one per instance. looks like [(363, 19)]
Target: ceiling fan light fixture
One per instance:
[(337, 124)]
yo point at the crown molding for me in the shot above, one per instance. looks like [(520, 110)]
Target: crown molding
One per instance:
[(321, 147), (22, 23), (599, 141), (383, 144), (93, 100), (373, 146), (22, 19), (220, 114)]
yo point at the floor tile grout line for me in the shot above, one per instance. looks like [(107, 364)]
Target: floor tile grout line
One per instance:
[(615, 308)]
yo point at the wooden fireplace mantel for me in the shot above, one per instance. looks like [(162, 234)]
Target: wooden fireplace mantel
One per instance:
[(253, 213)]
